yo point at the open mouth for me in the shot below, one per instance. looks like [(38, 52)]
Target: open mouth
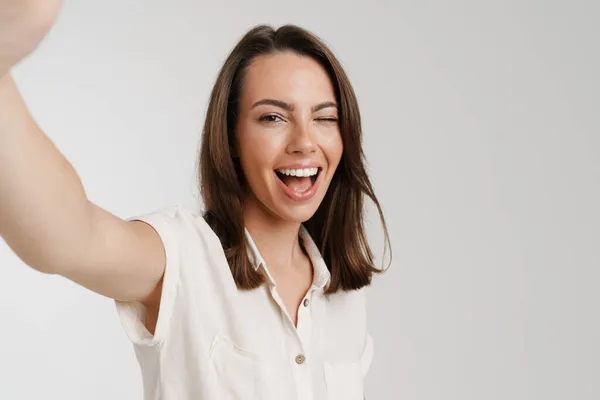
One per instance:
[(298, 183)]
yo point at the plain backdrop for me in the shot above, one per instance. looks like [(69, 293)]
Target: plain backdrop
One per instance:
[(482, 138)]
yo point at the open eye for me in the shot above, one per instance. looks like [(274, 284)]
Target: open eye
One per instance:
[(270, 118)]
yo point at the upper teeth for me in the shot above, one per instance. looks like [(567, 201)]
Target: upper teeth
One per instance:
[(299, 172)]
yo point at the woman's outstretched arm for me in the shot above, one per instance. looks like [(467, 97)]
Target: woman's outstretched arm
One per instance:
[(45, 216)]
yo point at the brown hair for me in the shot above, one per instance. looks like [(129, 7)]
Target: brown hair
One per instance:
[(337, 227)]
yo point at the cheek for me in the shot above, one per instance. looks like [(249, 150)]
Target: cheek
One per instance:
[(258, 151), (333, 148)]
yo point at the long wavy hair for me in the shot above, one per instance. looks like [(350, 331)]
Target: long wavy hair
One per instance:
[(337, 227)]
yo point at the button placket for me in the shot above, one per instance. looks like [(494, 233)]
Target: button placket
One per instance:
[(304, 328), (302, 376)]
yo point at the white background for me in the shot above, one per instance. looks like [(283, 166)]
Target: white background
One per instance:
[(482, 136)]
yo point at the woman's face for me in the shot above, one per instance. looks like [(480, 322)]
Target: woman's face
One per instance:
[(288, 137)]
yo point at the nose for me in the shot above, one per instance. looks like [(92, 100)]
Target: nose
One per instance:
[(302, 140)]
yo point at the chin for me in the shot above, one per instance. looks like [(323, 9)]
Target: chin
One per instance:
[(299, 215)]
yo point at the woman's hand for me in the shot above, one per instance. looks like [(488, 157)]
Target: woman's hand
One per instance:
[(23, 25)]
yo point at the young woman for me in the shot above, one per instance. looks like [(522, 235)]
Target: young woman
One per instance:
[(256, 296)]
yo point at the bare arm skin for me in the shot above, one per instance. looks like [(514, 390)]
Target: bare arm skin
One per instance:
[(45, 216)]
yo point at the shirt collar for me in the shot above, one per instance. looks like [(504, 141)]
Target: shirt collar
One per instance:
[(253, 253), (321, 274)]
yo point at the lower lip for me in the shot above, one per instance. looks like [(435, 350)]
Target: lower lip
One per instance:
[(306, 195)]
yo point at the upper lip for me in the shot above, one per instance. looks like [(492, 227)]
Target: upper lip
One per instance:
[(300, 165)]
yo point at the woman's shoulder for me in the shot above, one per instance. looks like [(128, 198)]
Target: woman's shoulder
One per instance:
[(175, 213), (178, 222), (354, 299)]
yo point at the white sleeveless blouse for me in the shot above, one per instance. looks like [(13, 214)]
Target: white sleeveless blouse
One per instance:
[(215, 342)]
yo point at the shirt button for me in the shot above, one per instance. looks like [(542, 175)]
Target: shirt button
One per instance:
[(300, 359), (306, 302)]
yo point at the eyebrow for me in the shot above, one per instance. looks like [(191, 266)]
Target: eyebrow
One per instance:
[(289, 107)]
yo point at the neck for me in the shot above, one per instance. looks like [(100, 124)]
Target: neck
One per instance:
[(276, 239)]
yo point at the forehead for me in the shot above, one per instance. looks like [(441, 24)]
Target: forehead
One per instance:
[(287, 76)]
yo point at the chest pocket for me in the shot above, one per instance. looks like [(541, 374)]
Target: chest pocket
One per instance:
[(243, 375), (345, 380)]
